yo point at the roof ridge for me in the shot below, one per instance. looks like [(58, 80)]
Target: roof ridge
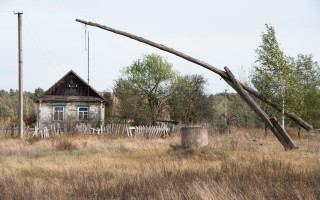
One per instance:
[(61, 79)]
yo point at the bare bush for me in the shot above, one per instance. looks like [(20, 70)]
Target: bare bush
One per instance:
[(66, 145)]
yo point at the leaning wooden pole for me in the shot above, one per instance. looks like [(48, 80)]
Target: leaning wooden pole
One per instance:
[(277, 130), (223, 74)]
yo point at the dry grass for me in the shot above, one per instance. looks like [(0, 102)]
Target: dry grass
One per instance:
[(242, 165)]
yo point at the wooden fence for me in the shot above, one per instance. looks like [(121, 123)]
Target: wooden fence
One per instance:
[(7, 129), (110, 129)]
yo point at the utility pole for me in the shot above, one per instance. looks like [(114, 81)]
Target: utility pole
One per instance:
[(88, 60), (19, 13), (88, 72)]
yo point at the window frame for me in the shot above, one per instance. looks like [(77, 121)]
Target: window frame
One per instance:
[(78, 112), (54, 110)]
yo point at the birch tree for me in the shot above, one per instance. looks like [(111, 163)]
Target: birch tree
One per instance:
[(274, 73)]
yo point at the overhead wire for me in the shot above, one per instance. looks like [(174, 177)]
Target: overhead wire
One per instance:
[(44, 50)]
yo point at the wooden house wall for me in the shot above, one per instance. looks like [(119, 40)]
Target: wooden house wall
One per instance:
[(71, 86)]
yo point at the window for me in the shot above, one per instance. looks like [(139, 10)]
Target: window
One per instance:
[(83, 113), (58, 113)]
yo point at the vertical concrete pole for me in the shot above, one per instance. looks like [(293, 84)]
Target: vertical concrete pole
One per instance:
[(20, 74)]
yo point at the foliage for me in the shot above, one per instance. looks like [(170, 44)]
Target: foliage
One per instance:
[(308, 73), (274, 75), (9, 104), (293, 83), (37, 93), (143, 89), (5, 111), (188, 102)]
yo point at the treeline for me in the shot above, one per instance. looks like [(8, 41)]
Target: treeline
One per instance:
[(9, 105)]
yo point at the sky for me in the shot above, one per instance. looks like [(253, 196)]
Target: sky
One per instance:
[(221, 33)]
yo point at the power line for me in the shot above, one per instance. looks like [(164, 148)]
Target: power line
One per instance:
[(45, 51)]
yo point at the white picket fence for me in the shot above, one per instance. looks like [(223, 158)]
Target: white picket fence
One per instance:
[(53, 130), (151, 131), (110, 129)]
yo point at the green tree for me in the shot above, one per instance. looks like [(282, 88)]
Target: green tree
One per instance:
[(308, 72), (5, 111), (143, 88), (188, 102), (37, 93), (274, 75), (9, 104)]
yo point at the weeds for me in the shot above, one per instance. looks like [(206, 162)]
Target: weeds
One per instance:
[(66, 145), (32, 140)]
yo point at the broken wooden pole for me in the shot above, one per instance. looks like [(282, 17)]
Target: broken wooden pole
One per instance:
[(281, 135), (283, 132), (223, 74)]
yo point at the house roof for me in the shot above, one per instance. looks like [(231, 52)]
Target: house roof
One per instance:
[(71, 88)]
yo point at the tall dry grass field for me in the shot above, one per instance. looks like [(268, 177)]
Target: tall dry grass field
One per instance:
[(242, 165)]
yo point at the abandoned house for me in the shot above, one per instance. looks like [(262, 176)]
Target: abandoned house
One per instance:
[(70, 100)]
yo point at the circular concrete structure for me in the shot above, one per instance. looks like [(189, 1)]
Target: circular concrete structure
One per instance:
[(194, 136)]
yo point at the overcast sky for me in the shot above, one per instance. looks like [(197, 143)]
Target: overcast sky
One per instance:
[(221, 33)]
